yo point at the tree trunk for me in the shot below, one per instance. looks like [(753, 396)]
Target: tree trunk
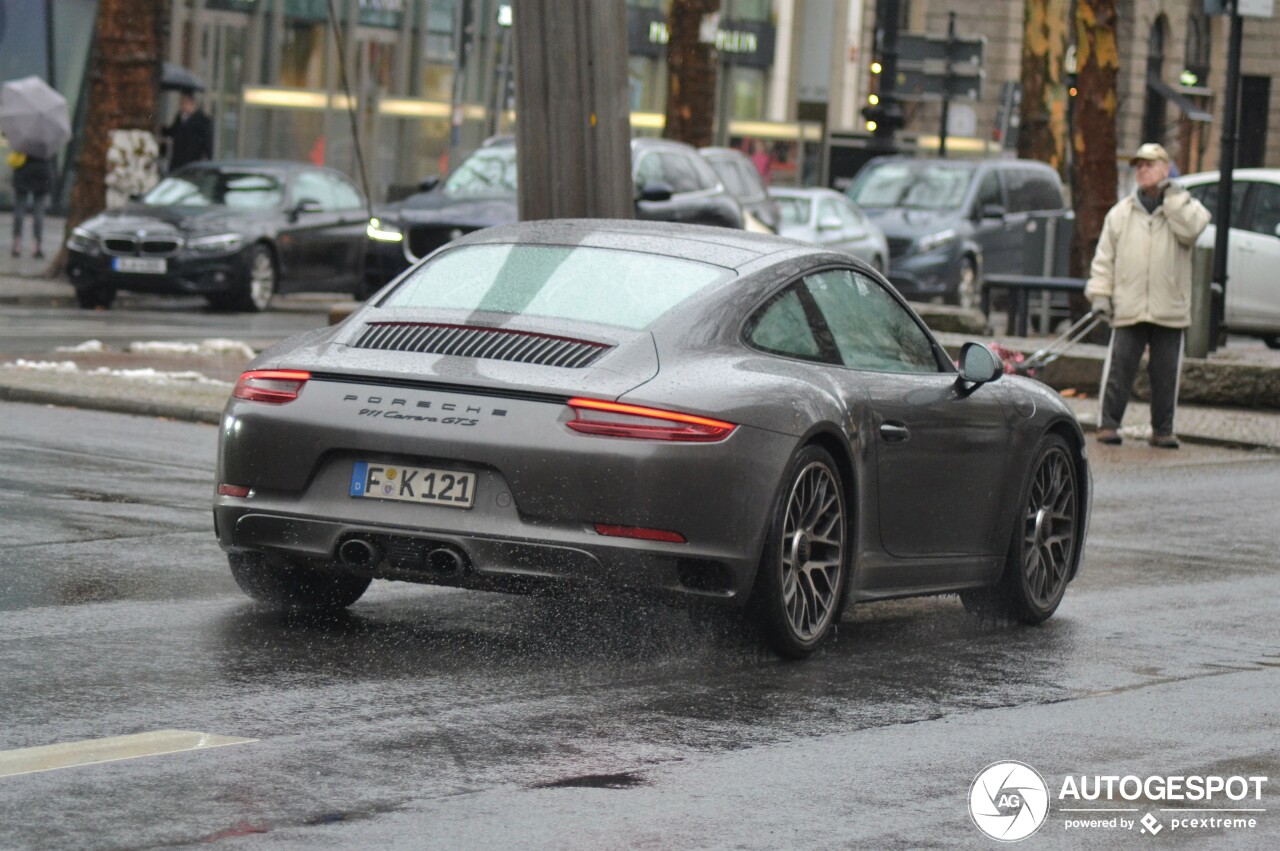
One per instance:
[(1094, 136), (691, 74), (1043, 133), (123, 93)]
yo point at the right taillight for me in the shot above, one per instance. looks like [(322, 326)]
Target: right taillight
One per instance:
[(615, 419), (276, 386)]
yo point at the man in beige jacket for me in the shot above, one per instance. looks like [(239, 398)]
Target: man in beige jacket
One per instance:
[(1141, 281)]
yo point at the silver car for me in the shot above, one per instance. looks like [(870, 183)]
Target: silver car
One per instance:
[(708, 415), (829, 219)]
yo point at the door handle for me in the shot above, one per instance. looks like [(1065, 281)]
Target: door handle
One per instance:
[(894, 432)]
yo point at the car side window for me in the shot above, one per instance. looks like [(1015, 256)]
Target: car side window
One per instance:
[(752, 180), (345, 196), (989, 192), (871, 330), (1207, 194), (1043, 192), (789, 324), (1266, 209), (849, 214), (827, 211), (679, 172), (313, 186), (649, 170), (729, 176)]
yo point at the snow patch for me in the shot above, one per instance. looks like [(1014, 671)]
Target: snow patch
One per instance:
[(86, 346), (148, 375), (213, 348)]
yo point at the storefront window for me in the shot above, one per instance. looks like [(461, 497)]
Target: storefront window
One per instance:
[(302, 55), (748, 93), (752, 10)]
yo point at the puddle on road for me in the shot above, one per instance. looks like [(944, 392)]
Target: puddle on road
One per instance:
[(624, 780)]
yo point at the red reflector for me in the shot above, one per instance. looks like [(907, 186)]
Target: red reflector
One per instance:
[(616, 419), (232, 490), (639, 532), (276, 386)]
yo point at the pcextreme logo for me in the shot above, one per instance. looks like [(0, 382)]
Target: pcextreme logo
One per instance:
[(1010, 800)]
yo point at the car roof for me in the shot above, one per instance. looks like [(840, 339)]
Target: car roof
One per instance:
[(257, 164), (725, 247)]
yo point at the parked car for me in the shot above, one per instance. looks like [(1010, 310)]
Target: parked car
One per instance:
[(740, 177), (717, 417), (828, 218), (672, 184), (235, 232), (950, 221), (1253, 248)]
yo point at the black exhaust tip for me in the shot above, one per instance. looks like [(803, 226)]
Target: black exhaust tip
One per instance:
[(358, 553), (446, 561)]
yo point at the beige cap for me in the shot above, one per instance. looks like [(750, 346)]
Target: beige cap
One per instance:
[(1150, 151)]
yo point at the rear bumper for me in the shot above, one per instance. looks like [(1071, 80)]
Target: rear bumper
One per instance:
[(540, 490)]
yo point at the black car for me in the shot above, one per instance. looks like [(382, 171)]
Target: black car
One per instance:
[(673, 184), (235, 232)]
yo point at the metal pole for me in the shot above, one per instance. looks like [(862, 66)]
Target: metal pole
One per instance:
[(1226, 163), (887, 12), (946, 85)]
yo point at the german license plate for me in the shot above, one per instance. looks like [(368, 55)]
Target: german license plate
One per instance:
[(143, 265), (448, 488)]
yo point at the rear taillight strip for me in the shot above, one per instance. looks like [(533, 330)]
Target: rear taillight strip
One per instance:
[(616, 419)]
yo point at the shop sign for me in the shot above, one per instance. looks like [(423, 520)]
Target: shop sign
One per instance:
[(749, 43)]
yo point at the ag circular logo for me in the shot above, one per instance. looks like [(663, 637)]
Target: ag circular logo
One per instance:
[(1008, 801)]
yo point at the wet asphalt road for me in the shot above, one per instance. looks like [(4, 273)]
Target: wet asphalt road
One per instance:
[(435, 718)]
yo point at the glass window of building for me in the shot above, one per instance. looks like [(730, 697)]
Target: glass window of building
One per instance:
[(302, 55)]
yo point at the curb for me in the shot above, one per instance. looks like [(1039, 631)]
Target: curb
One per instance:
[(173, 411)]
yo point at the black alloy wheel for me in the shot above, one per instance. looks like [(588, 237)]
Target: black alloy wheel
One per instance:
[(282, 584), (1045, 545), (801, 578)]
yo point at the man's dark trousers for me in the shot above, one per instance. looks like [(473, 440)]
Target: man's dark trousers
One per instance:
[(1164, 366)]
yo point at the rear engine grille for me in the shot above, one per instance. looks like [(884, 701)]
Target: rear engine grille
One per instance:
[(470, 341), (424, 239), (898, 246), (128, 245)]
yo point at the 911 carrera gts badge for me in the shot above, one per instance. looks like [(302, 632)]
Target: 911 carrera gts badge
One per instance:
[(445, 413)]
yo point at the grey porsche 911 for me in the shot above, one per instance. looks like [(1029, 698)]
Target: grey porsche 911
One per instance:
[(710, 416)]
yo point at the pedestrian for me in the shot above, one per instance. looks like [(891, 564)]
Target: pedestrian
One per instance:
[(191, 133), (1140, 280), (33, 179)]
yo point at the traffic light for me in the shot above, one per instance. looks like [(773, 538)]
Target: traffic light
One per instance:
[(883, 115)]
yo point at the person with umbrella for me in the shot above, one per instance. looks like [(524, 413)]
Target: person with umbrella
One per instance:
[(33, 180), (191, 133), (33, 117)]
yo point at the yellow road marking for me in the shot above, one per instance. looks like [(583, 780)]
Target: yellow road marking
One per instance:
[(90, 751)]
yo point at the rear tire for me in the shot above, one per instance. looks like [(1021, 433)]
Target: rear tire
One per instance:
[(1045, 545), (281, 583), (799, 590), (1272, 342)]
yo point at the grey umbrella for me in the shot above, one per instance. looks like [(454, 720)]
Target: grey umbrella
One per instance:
[(174, 76), (33, 117)]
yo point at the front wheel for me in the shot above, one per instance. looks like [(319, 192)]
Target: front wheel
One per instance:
[(800, 582), (1045, 545), (261, 283), (281, 583)]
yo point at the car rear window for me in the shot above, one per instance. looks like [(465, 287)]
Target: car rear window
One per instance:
[(628, 289)]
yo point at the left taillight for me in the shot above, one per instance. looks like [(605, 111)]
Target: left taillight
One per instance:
[(276, 386), (616, 419)]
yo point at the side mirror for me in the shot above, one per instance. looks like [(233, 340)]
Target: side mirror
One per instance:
[(978, 364), (830, 223), (656, 191), (993, 211), (430, 183), (1277, 230), (305, 205)]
